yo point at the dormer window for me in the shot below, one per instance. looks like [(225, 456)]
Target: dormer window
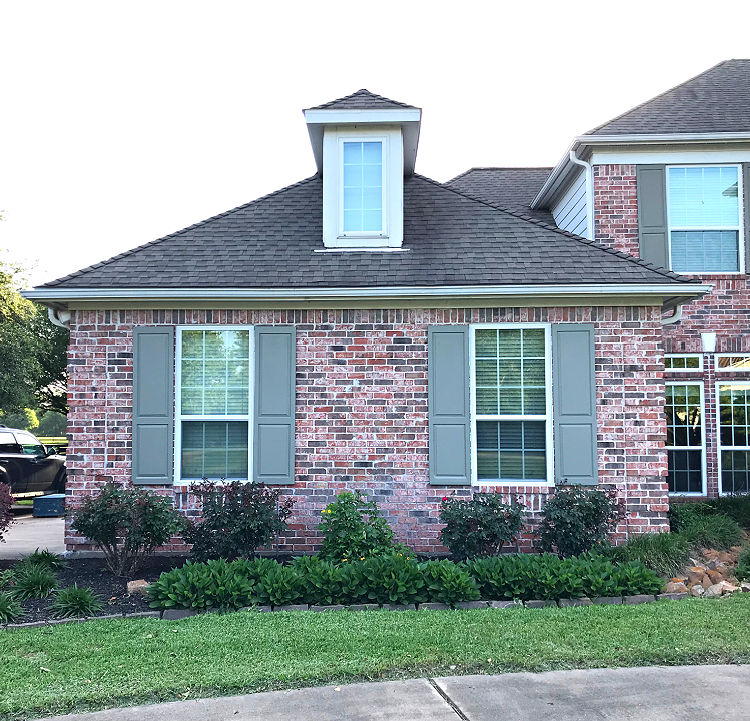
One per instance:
[(363, 183), (364, 145)]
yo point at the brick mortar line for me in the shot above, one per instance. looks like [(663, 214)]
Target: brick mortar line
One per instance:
[(444, 695)]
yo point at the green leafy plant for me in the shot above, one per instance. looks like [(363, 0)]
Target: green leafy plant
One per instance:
[(33, 581), (7, 579), (712, 531), (48, 559), (127, 524), (447, 582), (321, 580), (736, 506), (743, 566), (479, 526), (10, 609), (281, 586), (353, 529), (237, 519), (665, 553), (6, 504), (577, 519), (392, 579), (76, 602)]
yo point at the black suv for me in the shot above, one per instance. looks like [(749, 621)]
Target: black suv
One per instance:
[(29, 467)]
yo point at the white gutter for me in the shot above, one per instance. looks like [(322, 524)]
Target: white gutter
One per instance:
[(589, 191), (62, 295), (675, 317), (60, 318), (583, 141)]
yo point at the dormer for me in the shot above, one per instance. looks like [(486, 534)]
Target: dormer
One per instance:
[(364, 145)]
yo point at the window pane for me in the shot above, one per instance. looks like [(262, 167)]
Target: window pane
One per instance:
[(511, 450), (692, 362), (735, 471), (685, 471), (703, 197), (708, 251), (684, 430), (215, 372), (214, 450), (734, 430), (363, 186), (734, 363)]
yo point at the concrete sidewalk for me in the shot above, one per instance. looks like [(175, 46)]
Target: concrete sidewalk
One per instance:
[(27, 533), (627, 694)]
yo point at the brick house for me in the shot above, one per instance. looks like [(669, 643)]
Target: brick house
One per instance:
[(509, 330)]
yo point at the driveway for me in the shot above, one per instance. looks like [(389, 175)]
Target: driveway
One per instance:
[(29, 533), (626, 694)]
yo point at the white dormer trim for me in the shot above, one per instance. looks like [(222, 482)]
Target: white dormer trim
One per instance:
[(392, 233)]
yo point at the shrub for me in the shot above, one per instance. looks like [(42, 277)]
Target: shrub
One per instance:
[(479, 526), (681, 514), (665, 553), (280, 586), (75, 602), (10, 609), (7, 579), (393, 579), (127, 524), (237, 519), (353, 529), (447, 582), (743, 566), (33, 581), (735, 506), (321, 580), (6, 515), (714, 531), (577, 519)]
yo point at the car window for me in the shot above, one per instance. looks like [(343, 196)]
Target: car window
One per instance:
[(30, 446), (7, 443)]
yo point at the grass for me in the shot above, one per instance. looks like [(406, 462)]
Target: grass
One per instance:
[(114, 663)]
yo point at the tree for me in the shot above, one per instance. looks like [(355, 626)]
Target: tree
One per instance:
[(32, 350), (24, 419), (51, 425)]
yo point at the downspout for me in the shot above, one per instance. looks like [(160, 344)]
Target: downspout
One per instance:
[(60, 318), (589, 191), (675, 317)]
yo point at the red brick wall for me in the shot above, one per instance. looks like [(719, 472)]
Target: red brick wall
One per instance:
[(725, 310), (362, 409)]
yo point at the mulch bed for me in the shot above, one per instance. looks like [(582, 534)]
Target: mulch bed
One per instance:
[(92, 573)]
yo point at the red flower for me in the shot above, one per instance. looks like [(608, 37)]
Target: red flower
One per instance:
[(445, 498)]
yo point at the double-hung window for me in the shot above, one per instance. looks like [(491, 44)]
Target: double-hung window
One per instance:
[(705, 218), (363, 186), (685, 437), (213, 403), (734, 436), (512, 404)]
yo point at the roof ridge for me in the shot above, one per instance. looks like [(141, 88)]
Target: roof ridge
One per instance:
[(500, 167), (656, 97), (662, 271), (130, 251), (359, 92)]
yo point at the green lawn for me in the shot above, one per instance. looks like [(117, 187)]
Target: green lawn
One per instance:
[(111, 663)]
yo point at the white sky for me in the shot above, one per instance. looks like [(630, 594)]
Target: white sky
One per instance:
[(121, 122)]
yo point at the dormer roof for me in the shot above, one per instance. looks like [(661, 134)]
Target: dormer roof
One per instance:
[(363, 100)]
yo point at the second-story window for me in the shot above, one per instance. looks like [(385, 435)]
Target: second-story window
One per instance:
[(362, 187), (704, 218)]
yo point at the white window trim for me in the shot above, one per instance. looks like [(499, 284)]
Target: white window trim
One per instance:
[(365, 138), (699, 369), (704, 472), (548, 417), (730, 355), (739, 228), (178, 417), (719, 446)]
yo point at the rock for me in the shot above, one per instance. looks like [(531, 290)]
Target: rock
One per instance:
[(706, 581), (323, 609), (472, 604), (140, 586), (727, 587), (745, 587), (291, 607), (401, 607), (504, 604), (673, 587), (671, 596), (715, 575), (176, 614), (640, 598), (727, 557), (608, 601), (713, 591), (363, 607), (539, 604), (568, 602), (697, 590), (697, 568), (433, 607), (143, 614)]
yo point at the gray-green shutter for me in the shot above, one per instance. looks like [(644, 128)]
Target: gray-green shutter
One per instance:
[(273, 421), (746, 202), (574, 403), (652, 214), (448, 404), (153, 404)]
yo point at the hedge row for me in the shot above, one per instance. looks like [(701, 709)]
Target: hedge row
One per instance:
[(396, 579)]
